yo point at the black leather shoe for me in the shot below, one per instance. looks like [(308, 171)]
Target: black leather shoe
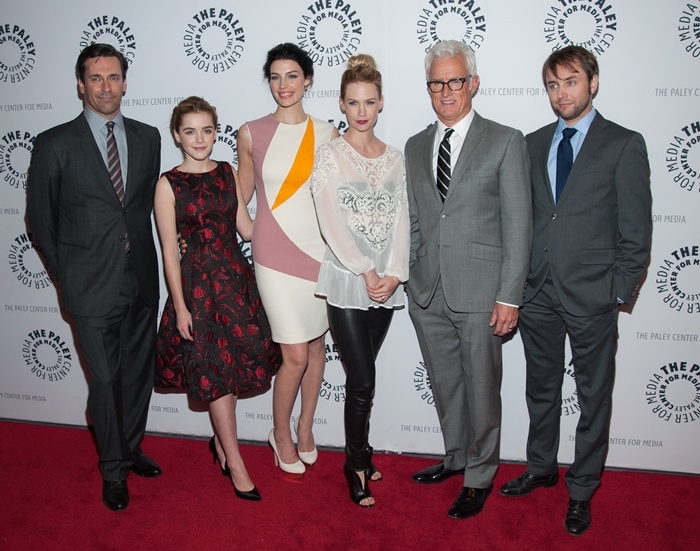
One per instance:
[(578, 517), (470, 502), (436, 473), (527, 482), (115, 495), (145, 466)]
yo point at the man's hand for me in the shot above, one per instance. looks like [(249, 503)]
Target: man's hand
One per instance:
[(504, 319)]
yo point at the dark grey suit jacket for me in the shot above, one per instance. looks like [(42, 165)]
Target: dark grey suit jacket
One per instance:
[(478, 241), (78, 221), (595, 241)]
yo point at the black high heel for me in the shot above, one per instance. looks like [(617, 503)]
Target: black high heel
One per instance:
[(372, 470), (357, 492), (250, 495), (224, 468)]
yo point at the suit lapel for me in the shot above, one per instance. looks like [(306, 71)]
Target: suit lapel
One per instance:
[(470, 146), (90, 154), (545, 145), (134, 156), (428, 160)]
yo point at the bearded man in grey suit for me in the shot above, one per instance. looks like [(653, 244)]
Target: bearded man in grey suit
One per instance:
[(592, 236), (90, 195), (471, 229)]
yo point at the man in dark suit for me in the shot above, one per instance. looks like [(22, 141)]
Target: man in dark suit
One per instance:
[(90, 196), (592, 235), (471, 228)]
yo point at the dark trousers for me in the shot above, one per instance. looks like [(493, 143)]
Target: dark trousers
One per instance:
[(119, 349), (544, 325), (359, 335)]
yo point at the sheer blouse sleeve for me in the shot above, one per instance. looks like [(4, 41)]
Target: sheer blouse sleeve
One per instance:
[(401, 246)]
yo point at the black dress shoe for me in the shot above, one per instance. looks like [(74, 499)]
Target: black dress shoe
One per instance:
[(145, 466), (527, 482), (436, 473), (470, 502), (115, 495), (578, 517)]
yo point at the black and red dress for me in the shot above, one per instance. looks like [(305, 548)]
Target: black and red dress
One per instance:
[(232, 350)]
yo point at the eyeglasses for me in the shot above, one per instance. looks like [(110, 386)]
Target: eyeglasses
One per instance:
[(454, 84)]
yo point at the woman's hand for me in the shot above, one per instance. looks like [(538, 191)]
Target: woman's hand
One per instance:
[(182, 245), (383, 289), (371, 278), (184, 324)]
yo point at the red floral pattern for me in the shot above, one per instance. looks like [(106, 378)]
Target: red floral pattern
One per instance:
[(232, 351)]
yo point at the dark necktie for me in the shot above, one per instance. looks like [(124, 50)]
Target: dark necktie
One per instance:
[(444, 168), (565, 159), (115, 170)]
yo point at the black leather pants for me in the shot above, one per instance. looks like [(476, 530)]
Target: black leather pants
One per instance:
[(359, 335)]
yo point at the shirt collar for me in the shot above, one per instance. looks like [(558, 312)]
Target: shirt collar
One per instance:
[(461, 128), (97, 122), (582, 126)]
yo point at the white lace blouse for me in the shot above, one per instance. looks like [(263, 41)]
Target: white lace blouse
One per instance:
[(362, 211)]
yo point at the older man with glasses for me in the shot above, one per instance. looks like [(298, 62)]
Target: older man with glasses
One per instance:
[(471, 230)]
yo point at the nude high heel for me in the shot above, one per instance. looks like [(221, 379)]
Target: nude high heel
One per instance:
[(308, 458), (292, 470)]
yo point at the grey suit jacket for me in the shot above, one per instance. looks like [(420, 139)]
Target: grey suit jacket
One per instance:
[(595, 241), (478, 241), (78, 221)]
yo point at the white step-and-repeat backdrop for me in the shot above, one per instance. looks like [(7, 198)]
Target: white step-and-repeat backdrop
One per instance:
[(649, 52)]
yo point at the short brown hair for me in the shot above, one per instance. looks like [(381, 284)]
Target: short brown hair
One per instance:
[(95, 51), (567, 57)]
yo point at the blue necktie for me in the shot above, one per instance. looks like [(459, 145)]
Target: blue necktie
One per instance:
[(565, 159)]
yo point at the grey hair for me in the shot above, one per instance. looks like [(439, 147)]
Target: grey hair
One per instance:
[(450, 48)]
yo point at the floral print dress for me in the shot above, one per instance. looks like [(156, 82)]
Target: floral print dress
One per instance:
[(232, 350)]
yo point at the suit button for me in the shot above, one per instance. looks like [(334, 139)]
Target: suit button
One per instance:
[(554, 216), (442, 215), (546, 249)]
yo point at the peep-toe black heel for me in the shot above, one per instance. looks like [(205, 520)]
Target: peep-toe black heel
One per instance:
[(224, 468), (372, 470), (357, 492)]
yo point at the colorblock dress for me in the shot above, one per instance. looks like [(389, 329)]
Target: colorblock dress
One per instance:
[(287, 246), (232, 350)]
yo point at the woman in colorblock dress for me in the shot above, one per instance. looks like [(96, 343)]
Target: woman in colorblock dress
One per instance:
[(275, 159)]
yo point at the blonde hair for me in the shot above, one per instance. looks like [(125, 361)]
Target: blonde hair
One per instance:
[(361, 68)]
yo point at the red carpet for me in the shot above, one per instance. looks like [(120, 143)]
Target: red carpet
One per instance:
[(51, 500)]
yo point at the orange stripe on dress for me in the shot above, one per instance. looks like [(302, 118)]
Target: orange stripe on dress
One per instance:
[(301, 168)]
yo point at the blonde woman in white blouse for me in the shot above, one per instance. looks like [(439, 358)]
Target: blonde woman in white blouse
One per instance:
[(359, 188)]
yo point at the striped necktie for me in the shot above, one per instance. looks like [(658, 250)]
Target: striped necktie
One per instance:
[(115, 170), (444, 168)]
